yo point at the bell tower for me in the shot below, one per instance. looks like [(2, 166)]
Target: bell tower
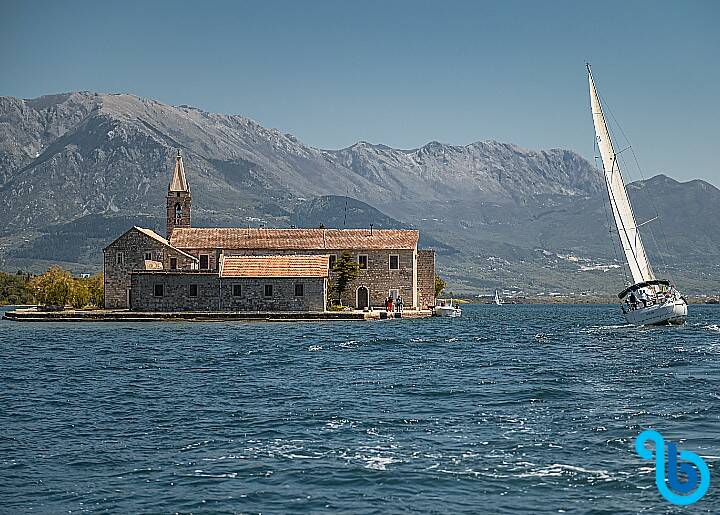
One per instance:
[(179, 199)]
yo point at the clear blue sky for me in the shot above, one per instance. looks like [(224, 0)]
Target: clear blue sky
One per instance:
[(395, 72)]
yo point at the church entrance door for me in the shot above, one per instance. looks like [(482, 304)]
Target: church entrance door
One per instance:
[(363, 298)]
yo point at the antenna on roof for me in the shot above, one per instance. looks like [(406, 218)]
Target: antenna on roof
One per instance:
[(371, 229)]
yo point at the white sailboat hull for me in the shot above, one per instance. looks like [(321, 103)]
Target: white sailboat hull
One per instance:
[(672, 312)]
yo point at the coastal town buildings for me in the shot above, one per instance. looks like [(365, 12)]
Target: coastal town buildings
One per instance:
[(259, 269)]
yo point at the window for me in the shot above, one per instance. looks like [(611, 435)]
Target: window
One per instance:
[(268, 290), (204, 262), (159, 290), (393, 294), (299, 290), (148, 256), (333, 260), (120, 258), (363, 262), (192, 290), (173, 263), (394, 262), (237, 290), (178, 213)]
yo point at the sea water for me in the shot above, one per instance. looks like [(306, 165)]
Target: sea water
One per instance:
[(509, 409)]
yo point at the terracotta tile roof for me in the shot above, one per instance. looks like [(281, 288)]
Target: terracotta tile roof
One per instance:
[(305, 239), (274, 266)]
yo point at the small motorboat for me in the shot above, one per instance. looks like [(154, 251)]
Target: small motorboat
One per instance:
[(447, 308)]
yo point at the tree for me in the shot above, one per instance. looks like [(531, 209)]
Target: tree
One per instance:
[(439, 285), (14, 289), (346, 271), (96, 287), (53, 288), (80, 295)]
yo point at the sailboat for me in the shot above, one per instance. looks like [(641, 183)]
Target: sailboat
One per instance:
[(497, 299), (649, 300)]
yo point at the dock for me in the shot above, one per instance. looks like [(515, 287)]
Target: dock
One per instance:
[(34, 315)]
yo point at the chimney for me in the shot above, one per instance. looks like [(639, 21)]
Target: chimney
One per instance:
[(371, 229)]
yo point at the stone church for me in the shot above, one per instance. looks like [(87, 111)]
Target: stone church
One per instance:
[(259, 269)]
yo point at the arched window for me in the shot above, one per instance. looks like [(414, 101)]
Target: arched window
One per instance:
[(178, 213)]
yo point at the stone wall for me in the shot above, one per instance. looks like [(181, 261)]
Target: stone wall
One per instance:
[(426, 278), (252, 296), (378, 278), (212, 254), (176, 291), (215, 294), (133, 245)]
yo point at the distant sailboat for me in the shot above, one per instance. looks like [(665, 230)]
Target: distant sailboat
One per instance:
[(497, 299), (649, 300)]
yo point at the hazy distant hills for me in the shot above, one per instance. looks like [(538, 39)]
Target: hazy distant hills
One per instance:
[(78, 168)]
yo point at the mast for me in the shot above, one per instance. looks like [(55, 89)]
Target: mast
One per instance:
[(619, 202)]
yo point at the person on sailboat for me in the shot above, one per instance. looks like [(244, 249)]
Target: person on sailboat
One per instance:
[(632, 300), (643, 297)]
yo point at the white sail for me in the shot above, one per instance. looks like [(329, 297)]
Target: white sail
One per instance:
[(622, 211)]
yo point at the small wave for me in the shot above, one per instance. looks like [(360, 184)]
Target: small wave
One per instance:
[(560, 469), (378, 462), (194, 445), (605, 328), (713, 327), (200, 473), (315, 348), (339, 423), (374, 458)]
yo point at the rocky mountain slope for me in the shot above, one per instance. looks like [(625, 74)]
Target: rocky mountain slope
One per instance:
[(76, 168)]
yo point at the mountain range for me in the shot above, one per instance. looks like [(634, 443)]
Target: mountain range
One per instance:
[(77, 169)]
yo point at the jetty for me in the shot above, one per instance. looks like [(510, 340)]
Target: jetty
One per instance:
[(35, 315)]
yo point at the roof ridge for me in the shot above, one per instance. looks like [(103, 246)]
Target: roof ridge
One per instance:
[(157, 237), (314, 239)]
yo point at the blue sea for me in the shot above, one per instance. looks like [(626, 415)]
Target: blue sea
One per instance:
[(510, 409)]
